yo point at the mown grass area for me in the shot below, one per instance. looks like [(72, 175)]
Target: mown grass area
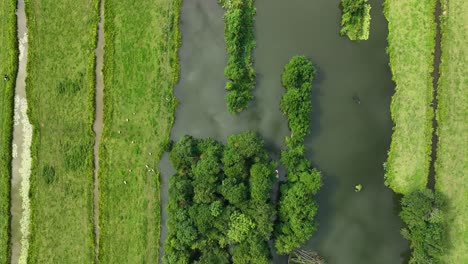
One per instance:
[(140, 70), (452, 156), (60, 88), (8, 66), (411, 42)]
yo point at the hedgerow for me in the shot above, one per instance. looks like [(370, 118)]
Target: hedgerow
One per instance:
[(297, 207), (355, 19), (239, 38)]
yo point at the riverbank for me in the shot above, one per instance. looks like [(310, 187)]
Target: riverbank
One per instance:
[(452, 158), (410, 22), (60, 89), (140, 70), (9, 66)]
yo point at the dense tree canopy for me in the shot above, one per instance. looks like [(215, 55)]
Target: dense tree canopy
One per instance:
[(422, 212), (219, 207), (297, 207)]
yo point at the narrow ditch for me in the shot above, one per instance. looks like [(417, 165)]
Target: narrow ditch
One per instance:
[(21, 146), (98, 123), (435, 80)]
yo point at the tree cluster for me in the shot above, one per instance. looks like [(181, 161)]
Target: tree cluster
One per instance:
[(219, 201), (355, 19), (297, 207), (423, 214), (239, 38)]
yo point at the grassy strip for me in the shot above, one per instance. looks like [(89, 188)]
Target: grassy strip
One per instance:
[(297, 207), (8, 66), (60, 89), (411, 42), (239, 38), (355, 20), (452, 157), (140, 70)]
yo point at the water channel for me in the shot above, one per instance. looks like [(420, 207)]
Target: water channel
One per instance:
[(348, 141), (21, 163)]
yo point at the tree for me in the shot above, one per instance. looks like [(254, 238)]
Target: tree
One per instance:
[(423, 214), (184, 153), (297, 210), (297, 72), (261, 179), (239, 227)]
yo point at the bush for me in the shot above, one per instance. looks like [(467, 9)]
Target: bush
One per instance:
[(423, 214), (355, 19), (239, 38)]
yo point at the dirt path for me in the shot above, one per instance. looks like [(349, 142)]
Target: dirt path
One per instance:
[(435, 80), (98, 120), (21, 163)]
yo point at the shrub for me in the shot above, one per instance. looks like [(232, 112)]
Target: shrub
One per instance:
[(48, 173), (355, 19), (423, 214)]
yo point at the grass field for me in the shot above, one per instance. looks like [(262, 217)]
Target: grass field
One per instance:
[(8, 65), (140, 70), (60, 87), (411, 44), (452, 113)]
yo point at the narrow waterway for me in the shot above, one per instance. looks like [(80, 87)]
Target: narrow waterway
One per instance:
[(435, 83), (98, 121), (21, 163), (351, 125)]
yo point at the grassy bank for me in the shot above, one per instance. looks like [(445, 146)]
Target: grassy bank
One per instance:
[(60, 87), (452, 156), (8, 65), (239, 38), (140, 70), (410, 47)]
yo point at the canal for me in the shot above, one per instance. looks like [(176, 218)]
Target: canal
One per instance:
[(351, 125)]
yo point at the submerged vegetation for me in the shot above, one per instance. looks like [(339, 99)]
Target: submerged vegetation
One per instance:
[(8, 66), (60, 88), (297, 207), (423, 214), (451, 166), (239, 38), (219, 201), (140, 70), (355, 19), (410, 48)]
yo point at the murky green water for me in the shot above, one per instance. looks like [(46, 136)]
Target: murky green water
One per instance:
[(348, 142)]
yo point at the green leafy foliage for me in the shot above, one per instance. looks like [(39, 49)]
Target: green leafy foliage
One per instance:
[(355, 19), (297, 207), (423, 214), (239, 38), (219, 204)]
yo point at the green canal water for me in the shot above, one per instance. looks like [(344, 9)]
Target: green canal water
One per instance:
[(348, 141)]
